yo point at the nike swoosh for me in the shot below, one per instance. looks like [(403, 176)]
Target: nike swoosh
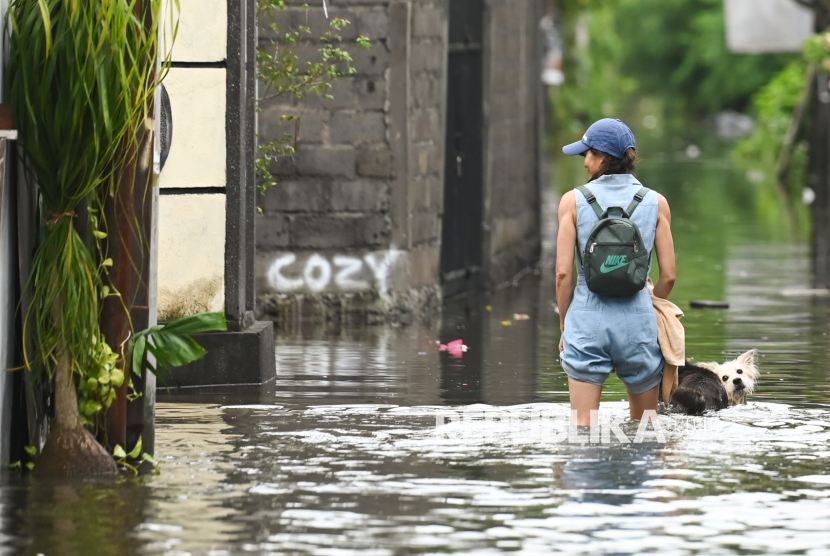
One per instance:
[(606, 269)]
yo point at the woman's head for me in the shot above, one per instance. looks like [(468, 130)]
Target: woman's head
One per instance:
[(600, 163), (609, 148)]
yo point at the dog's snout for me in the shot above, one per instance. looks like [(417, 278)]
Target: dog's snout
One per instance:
[(738, 382)]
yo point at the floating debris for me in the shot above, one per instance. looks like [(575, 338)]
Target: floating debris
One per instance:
[(705, 304), (456, 348)]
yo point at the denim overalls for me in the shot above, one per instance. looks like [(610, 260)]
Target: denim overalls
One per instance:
[(605, 333)]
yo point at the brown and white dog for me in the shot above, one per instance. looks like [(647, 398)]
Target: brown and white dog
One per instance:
[(713, 386), (738, 376)]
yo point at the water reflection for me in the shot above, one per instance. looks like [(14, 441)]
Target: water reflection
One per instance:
[(405, 365), (71, 517), (376, 478)]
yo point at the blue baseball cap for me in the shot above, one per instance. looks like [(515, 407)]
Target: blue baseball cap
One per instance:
[(607, 135)]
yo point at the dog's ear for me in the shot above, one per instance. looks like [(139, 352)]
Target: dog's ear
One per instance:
[(749, 358), (714, 367)]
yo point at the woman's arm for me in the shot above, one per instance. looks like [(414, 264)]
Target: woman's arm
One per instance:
[(565, 245), (664, 244)]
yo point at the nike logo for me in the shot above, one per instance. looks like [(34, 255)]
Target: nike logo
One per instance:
[(613, 262)]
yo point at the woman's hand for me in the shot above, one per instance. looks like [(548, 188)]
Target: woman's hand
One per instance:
[(562, 342)]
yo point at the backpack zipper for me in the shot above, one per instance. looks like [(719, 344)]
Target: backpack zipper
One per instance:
[(591, 248)]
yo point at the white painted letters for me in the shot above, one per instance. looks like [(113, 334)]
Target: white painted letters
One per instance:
[(317, 281), (276, 278), (349, 267), (288, 273), (380, 267)]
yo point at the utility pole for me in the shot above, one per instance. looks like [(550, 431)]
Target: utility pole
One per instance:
[(818, 165)]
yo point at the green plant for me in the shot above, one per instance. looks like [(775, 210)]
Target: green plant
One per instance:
[(670, 53), (18, 465), (773, 108), (123, 459), (282, 74), (81, 78), (171, 345)]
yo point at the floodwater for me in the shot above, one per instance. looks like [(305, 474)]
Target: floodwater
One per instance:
[(343, 455)]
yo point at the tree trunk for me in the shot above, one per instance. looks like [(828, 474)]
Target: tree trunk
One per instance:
[(71, 450)]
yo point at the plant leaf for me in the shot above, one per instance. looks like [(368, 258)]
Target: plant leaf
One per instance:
[(197, 324), (137, 450), (137, 354)]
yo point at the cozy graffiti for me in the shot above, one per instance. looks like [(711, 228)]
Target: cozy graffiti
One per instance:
[(290, 272)]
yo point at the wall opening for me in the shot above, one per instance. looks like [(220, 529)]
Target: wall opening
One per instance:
[(461, 241)]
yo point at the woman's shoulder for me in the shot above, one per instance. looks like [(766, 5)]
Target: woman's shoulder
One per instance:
[(567, 202), (660, 201)]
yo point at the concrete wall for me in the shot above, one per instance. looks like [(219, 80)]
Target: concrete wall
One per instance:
[(513, 129), (192, 203), (356, 214), (354, 222)]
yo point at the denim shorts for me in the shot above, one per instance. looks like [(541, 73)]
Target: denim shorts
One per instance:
[(603, 334)]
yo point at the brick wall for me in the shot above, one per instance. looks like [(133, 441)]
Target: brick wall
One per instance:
[(357, 212), (335, 192), (366, 182)]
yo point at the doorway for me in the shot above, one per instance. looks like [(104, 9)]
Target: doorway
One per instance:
[(461, 238)]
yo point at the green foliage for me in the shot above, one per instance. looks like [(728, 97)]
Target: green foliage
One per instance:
[(772, 108), (102, 380), (817, 50), (171, 344), (19, 465), (620, 52), (595, 86), (283, 74), (137, 454), (81, 78), (677, 48)]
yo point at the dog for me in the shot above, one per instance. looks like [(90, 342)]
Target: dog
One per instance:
[(712, 386)]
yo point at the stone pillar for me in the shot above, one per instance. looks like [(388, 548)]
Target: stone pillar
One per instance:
[(512, 134)]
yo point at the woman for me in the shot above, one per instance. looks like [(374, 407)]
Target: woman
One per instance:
[(602, 334)]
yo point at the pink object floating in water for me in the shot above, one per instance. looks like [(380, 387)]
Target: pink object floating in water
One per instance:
[(456, 348)]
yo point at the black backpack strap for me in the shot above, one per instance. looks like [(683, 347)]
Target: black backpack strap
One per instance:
[(638, 198), (591, 200)]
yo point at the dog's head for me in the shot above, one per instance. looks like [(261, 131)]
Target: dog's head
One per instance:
[(738, 376)]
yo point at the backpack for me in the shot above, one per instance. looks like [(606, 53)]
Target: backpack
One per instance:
[(615, 261)]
